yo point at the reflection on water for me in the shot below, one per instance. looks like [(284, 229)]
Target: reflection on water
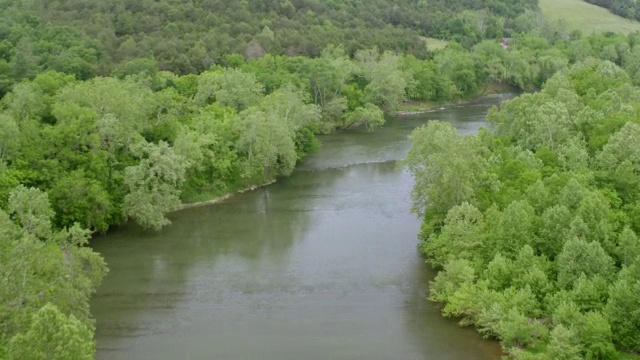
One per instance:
[(321, 265)]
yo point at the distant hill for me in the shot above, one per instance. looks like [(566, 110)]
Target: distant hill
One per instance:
[(588, 18), (90, 37)]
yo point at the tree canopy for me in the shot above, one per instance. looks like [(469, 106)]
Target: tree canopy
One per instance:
[(121, 111), (533, 224)]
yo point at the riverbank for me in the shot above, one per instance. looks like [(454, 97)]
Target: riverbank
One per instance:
[(320, 265), (411, 107), (407, 108), (218, 199)]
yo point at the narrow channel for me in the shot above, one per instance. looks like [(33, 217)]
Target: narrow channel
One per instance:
[(320, 265)]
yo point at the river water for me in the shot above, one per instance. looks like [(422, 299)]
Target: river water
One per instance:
[(320, 265)]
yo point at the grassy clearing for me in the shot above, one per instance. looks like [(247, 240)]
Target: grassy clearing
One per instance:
[(626, 356), (588, 18), (412, 106), (435, 44)]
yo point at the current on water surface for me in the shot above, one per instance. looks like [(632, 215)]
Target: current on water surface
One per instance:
[(320, 265)]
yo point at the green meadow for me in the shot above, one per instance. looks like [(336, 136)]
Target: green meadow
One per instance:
[(588, 18), (435, 44)]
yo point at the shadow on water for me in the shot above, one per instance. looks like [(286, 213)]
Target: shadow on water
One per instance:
[(152, 273), (149, 271), (435, 335), (319, 265)]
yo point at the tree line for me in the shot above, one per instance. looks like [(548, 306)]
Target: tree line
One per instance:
[(91, 137), (533, 223), (139, 143), (89, 38), (90, 154)]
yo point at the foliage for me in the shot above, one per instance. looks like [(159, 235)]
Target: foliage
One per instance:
[(152, 185), (47, 277), (369, 116), (124, 110), (252, 121), (520, 211), (53, 335), (89, 38), (581, 16), (446, 166)]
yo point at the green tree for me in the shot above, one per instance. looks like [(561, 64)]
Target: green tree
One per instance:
[(580, 257), (514, 229), (25, 61), (276, 133), (268, 143), (44, 268), (555, 229), (628, 247), (596, 337), (229, 87), (446, 165), (153, 186), (9, 133), (620, 149), (456, 274), (369, 116), (517, 330), (567, 314), (208, 144), (460, 236), (387, 83), (428, 83), (632, 64), (109, 96), (52, 335), (563, 344), (457, 65), (500, 272), (6, 77), (25, 101), (622, 310), (78, 198), (32, 210), (329, 74)]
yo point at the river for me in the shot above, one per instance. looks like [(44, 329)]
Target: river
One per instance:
[(320, 265)]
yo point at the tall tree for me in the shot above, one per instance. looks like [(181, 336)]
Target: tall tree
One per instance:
[(229, 87), (387, 83), (446, 165), (52, 335), (47, 277), (153, 186)]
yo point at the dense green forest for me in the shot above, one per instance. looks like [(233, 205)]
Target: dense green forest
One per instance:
[(88, 38), (46, 276), (629, 9), (122, 111), (534, 223), (138, 144)]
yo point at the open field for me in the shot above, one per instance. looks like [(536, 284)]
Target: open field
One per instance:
[(586, 17), (435, 44), (627, 356)]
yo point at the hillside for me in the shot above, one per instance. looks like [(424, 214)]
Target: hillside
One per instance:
[(629, 9), (588, 18), (88, 38)]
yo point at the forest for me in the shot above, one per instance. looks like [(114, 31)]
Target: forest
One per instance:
[(534, 222), (88, 38), (122, 111), (629, 9)]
